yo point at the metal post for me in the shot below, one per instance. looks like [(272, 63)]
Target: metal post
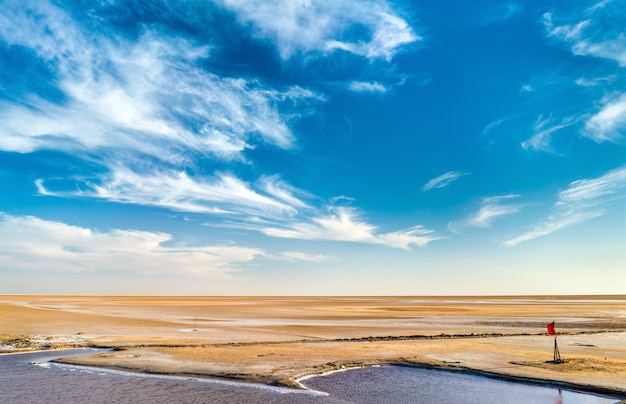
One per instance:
[(557, 354)]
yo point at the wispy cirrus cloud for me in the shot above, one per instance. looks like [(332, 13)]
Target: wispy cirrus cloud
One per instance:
[(494, 125), (323, 26), (300, 256), (147, 114), (144, 110), (367, 87), (595, 33), (586, 41), (494, 207), (149, 96), (443, 180), (490, 209), (346, 224), (589, 37), (270, 206), (222, 193), (594, 81), (609, 123), (544, 128), (498, 128), (583, 200)]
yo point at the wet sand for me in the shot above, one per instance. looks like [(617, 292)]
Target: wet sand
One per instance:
[(278, 340)]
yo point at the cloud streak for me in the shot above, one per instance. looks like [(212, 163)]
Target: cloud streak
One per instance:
[(222, 194), (544, 129), (157, 128), (490, 209), (443, 180), (598, 34), (609, 123), (345, 224), (367, 87), (149, 96), (145, 112), (592, 36), (583, 200), (322, 26)]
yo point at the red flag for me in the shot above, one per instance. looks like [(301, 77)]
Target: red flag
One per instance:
[(551, 329)]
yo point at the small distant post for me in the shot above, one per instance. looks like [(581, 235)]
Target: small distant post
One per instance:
[(557, 354)]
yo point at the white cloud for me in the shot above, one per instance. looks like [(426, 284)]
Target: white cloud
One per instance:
[(222, 193), (599, 5), (614, 49), (323, 26), (144, 112), (593, 36), (30, 243), (345, 224), (443, 180), (490, 209), (282, 191), (591, 82), (493, 125), (552, 224), (157, 102), (583, 200), (270, 206), (595, 191), (527, 88), (609, 123), (300, 256), (499, 127), (568, 32), (597, 34), (367, 87), (404, 239), (543, 129)]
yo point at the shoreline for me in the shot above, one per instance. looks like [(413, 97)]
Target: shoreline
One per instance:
[(280, 341), (296, 383)]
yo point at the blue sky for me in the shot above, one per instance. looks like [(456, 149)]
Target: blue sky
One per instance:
[(313, 147)]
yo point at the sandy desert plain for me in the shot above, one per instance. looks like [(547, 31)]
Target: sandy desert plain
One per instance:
[(279, 340)]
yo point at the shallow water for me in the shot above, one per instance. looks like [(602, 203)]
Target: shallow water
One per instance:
[(397, 384), (28, 378)]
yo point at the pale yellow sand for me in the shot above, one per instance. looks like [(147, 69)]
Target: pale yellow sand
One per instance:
[(278, 340)]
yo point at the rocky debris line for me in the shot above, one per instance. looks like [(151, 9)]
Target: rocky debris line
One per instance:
[(18, 343), (596, 326), (122, 346)]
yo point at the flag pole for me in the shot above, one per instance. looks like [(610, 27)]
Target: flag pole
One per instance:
[(557, 354)]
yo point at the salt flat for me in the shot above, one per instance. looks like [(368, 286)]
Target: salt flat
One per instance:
[(277, 340)]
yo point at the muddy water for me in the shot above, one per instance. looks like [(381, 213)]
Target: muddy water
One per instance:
[(30, 378)]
